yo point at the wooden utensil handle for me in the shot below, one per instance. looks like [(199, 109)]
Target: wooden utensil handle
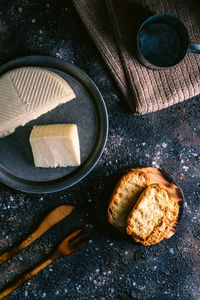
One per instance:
[(49, 221), (27, 276), (14, 250)]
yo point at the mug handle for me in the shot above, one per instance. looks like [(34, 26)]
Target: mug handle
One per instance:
[(194, 48)]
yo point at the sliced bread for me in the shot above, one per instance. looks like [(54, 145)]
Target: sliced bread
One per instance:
[(149, 212), (124, 197), (160, 232)]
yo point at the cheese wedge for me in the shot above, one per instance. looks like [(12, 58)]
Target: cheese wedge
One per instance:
[(28, 92), (55, 145)]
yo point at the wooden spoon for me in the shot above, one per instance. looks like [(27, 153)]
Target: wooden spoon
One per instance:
[(55, 216), (70, 244)]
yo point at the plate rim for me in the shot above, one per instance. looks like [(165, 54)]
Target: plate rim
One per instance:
[(56, 185)]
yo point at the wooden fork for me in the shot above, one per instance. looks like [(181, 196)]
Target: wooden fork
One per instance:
[(54, 217), (69, 245)]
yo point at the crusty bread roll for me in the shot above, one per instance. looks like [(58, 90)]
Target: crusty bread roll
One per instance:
[(125, 196)]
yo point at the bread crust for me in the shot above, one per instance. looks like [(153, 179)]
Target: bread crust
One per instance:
[(159, 235), (164, 227), (149, 212), (161, 232), (130, 195), (124, 197)]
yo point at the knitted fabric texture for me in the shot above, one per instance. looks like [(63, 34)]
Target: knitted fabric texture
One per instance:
[(113, 25)]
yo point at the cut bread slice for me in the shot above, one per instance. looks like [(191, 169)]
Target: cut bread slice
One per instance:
[(125, 196), (161, 231), (149, 212)]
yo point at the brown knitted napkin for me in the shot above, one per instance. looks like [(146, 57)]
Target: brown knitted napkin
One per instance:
[(113, 25)]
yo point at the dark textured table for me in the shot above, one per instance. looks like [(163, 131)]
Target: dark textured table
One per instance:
[(111, 266)]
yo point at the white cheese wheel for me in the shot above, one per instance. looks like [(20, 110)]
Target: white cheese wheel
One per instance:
[(28, 92)]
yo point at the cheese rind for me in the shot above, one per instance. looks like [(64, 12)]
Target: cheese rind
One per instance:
[(55, 145), (28, 92)]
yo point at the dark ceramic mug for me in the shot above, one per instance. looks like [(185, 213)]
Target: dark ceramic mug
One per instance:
[(163, 41)]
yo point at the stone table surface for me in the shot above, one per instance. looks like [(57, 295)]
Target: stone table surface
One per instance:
[(111, 266)]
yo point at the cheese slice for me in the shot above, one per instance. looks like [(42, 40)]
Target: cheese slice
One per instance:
[(28, 92), (55, 145)]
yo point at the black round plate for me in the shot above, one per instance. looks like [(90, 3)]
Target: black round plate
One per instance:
[(87, 110)]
